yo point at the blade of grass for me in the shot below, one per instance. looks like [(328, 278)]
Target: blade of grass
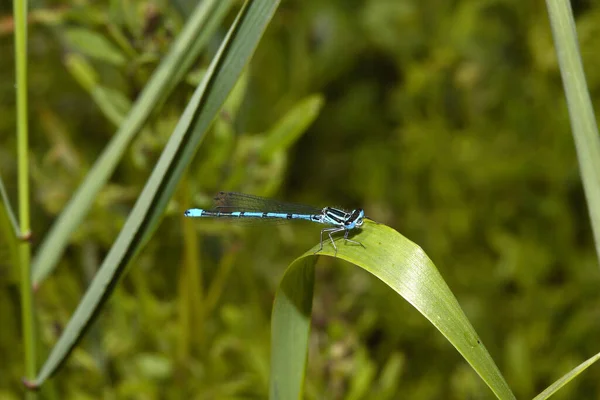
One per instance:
[(583, 121), (218, 14), (234, 53), (158, 87), (191, 303), (293, 124), (9, 234), (290, 328), (405, 268), (567, 378), (24, 246), (7, 211)]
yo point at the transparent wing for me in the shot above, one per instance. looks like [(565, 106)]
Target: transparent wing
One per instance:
[(233, 201)]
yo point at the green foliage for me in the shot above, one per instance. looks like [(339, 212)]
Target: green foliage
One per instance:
[(444, 120), (210, 95)]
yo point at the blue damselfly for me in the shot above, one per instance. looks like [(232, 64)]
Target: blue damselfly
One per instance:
[(233, 205)]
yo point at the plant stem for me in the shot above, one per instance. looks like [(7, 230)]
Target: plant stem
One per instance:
[(20, 18)]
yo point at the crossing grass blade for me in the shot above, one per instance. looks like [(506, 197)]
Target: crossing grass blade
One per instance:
[(7, 211), (555, 387), (185, 49), (405, 268), (9, 233), (234, 53), (581, 110)]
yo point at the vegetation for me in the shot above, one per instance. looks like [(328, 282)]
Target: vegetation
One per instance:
[(446, 121)]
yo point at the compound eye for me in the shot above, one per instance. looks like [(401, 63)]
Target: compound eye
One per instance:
[(356, 218)]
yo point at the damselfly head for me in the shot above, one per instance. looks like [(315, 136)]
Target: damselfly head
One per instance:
[(356, 218)]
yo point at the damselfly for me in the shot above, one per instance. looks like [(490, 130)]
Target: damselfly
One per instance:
[(237, 205)]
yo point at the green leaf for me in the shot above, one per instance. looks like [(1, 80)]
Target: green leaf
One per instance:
[(81, 70), (218, 12), (566, 378), (7, 211), (9, 231), (114, 104), (581, 110), (235, 52), (405, 268), (95, 46), (162, 82), (289, 128)]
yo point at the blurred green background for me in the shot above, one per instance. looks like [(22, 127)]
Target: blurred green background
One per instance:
[(444, 119)]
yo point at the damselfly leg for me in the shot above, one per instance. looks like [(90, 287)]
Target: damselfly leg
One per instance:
[(330, 232), (353, 241)]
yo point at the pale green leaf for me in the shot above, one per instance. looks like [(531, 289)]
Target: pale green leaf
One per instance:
[(405, 268)]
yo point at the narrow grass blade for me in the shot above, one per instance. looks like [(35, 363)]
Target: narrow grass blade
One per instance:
[(9, 237), (161, 83), (220, 78), (290, 328), (94, 45), (289, 128), (581, 111), (27, 307), (567, 378), (405, 268), (217, 14), (7, 210)]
